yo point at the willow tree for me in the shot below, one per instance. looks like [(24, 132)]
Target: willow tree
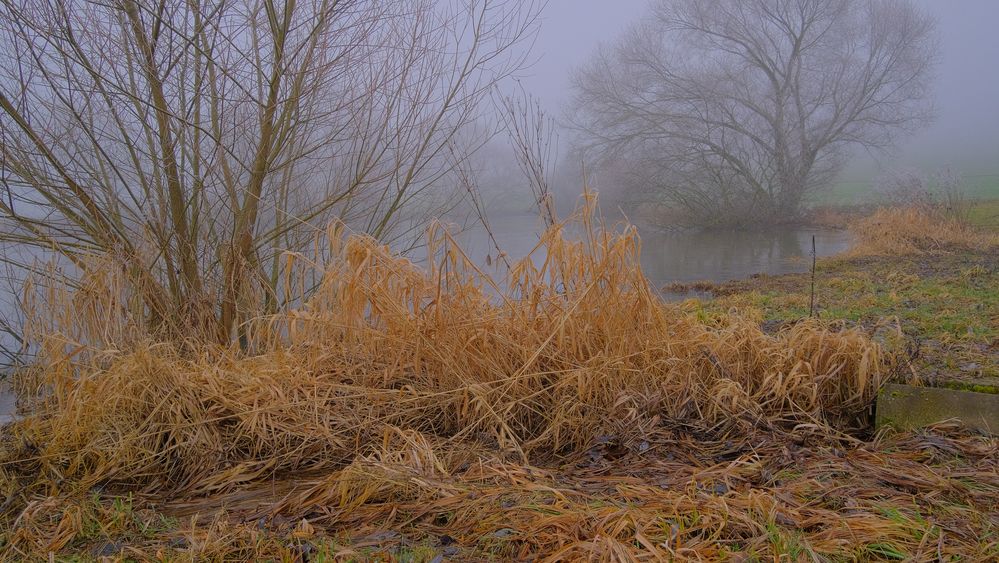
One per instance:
[(734, 110), (195, 141)]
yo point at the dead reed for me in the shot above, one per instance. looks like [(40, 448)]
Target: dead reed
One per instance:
[(915, 230), (395, 393)]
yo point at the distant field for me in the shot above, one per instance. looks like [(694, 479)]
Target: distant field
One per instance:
[(983, 186)]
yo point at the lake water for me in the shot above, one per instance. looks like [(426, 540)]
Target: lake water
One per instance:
[(682, 256)]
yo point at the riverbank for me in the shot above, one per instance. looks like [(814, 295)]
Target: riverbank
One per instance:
[(944, 299), (946, 304), (407, 416)]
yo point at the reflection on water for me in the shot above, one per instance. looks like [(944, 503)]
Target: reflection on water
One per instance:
[(685, 256), (726, 255)]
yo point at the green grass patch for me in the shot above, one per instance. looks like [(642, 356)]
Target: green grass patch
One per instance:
[(944, 302), (985, 214)]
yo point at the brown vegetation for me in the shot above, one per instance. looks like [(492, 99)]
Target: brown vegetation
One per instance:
[(192, 143), (795, 497), (913, 230), (567, 412)]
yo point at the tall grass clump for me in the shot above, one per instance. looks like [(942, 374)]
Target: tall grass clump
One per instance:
[(915, 230), (572, 346)]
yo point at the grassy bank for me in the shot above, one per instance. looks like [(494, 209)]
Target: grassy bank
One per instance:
[(943, 294), (407, 414), (946, 304)]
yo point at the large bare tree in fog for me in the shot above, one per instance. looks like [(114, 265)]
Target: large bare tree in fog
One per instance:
[(196, 140), (734, 110)]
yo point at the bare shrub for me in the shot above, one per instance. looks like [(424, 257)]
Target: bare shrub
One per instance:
[(534, 140), (940, 192), (194, 143)]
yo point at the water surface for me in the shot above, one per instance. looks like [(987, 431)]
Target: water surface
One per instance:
[(681, 256)]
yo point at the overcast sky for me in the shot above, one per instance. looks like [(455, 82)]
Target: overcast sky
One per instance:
[(966, 132)]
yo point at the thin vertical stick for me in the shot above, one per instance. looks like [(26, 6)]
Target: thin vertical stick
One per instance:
[(811, 304)]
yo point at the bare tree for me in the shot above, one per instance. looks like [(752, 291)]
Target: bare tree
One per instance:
[(734, 110), (197, 140)]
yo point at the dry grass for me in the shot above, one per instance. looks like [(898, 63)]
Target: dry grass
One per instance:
[(914, 230), (432, 400), (790, 496)]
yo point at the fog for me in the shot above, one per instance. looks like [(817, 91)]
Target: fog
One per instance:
[(403, 120), (964, 134)]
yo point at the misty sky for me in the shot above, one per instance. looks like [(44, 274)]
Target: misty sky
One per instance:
[(965, 133)]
